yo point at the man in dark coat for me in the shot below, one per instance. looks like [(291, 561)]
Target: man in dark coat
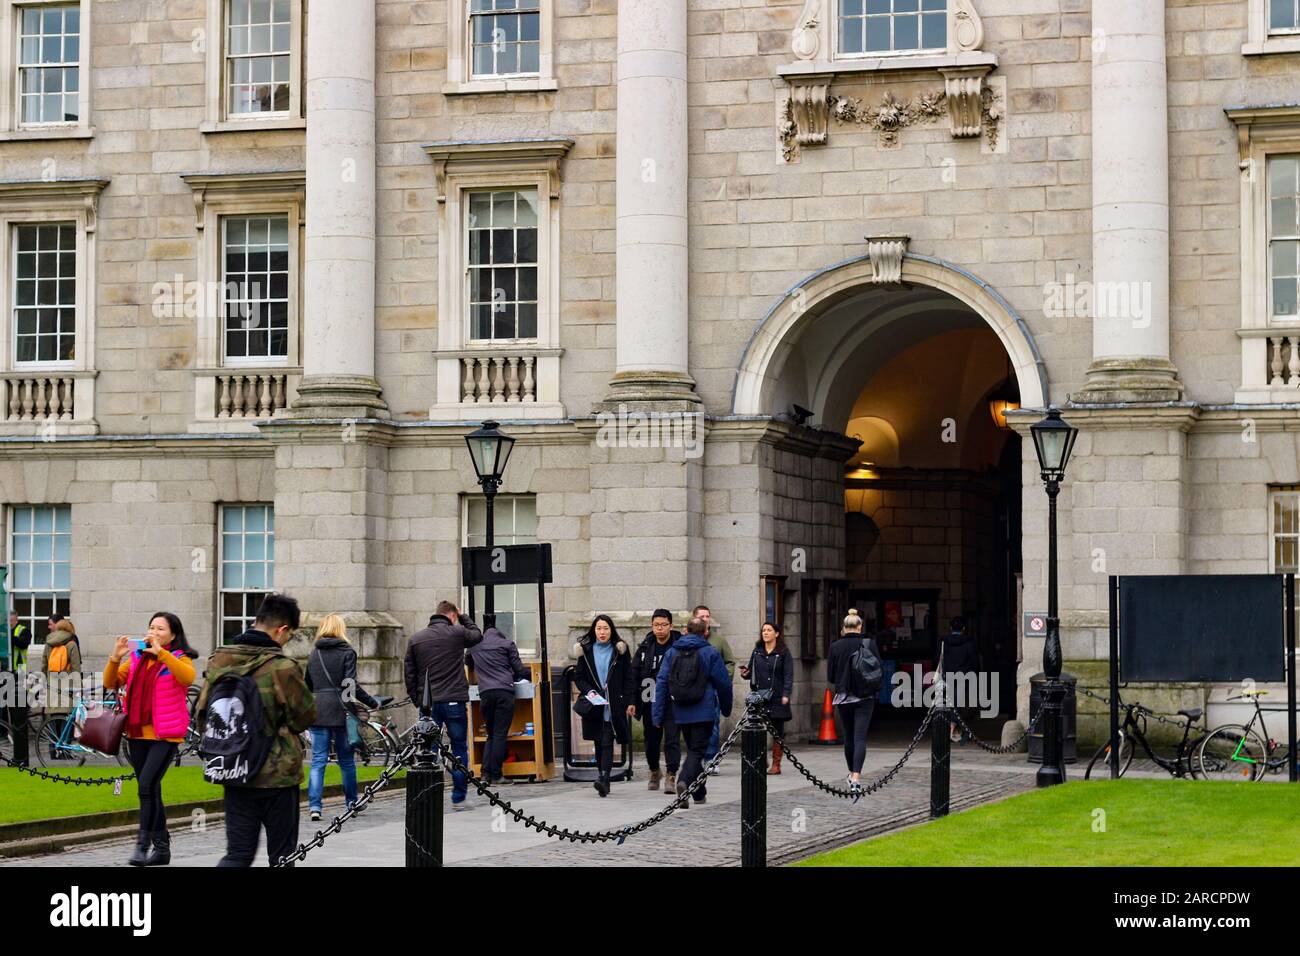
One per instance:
[(960, 664), (496, 666), (436, 654), (694, 718), (645, 671)]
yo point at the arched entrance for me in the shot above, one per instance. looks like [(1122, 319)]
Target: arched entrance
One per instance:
[(917, 371)]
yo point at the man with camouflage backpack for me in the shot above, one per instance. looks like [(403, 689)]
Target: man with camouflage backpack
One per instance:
[(262, 773)]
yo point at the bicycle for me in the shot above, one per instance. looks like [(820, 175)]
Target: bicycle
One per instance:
[(1133, 728), (381, 742), (57, 741), (1237, 752)]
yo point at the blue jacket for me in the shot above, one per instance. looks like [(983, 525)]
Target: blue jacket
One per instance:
[(717, 696)]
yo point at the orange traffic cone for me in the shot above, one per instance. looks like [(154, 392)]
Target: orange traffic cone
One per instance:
[(826, 735)]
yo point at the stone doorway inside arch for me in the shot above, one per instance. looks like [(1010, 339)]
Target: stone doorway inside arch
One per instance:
[(919, 373)]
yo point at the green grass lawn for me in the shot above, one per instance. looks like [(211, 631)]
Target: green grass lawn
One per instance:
[(24, 797), (1147, 823)]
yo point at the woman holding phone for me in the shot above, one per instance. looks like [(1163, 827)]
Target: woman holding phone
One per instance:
[(154, 673), (604, 673)]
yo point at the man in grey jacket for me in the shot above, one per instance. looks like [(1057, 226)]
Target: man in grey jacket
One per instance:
[(437, 654), (496, 666)]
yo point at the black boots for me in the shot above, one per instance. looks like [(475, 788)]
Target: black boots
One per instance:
[(162, 849), (141, 849), (602, 784)]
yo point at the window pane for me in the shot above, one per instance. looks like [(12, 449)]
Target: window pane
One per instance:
[(1282, 15), (1284, 296), (934, 31), (877, 34), (907, 33)]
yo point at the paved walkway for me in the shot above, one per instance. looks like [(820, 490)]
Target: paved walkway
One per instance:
[(801, 819)]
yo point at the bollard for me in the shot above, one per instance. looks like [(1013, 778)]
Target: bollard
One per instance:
[(940, 765), (18, 723), (753, 791), (1052, 771), (424, 793), (940, 746)]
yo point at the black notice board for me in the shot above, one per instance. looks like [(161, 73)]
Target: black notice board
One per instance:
[(506, 564), (1212, 627)]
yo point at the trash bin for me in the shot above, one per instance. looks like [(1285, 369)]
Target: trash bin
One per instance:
[(1068, 716)]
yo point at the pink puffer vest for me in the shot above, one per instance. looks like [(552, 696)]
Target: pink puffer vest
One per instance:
[(171, 716)]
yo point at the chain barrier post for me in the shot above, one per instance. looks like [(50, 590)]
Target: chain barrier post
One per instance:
[(424, 792), (18, 724), (753, 785), (940, 747)]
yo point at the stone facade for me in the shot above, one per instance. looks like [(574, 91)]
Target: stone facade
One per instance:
[(758, 170)]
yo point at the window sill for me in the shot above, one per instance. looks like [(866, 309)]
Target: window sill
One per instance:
[(534, 84), (253, 126), (55, 132), (902, 63), (1278, 44)]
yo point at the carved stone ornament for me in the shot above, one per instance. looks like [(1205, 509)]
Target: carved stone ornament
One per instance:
[(811, 109), (886, 255), (892, 115), (965, 30), (805, 39), (963, 89)]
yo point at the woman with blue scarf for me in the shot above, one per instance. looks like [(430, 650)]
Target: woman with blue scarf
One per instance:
[(603, 673)]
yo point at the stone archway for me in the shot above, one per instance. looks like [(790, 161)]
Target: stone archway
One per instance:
[(773, 338)]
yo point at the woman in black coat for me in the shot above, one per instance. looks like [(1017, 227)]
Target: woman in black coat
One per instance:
[(771, 668), (604, 669)]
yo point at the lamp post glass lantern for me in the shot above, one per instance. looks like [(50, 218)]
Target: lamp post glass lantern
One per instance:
[(489, 450), (1054, 442)]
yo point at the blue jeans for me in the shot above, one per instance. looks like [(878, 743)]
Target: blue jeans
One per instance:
[(320, 752), (714, 739), (453, 714)]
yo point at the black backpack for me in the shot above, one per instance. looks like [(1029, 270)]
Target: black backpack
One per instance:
[(687, 678), (233, 746), (865, 671)]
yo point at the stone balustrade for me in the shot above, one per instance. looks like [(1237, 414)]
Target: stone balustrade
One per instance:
[(37, 397), (250, 395), (498, 379)]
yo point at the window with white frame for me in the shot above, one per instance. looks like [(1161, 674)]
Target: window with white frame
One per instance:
[(40, 564), (505, 38), (44, 69), (1284, 16), (1284, 236), (258, 56), (496, 46), (255, 286), (876, 27), (44, 292), (1284, 526), (49, 64), (254, 69), (501, 265), (247, 565), (514, 521)]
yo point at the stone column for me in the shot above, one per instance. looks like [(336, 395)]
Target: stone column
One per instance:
[(651, 174), (339, 287), (1130, 206)]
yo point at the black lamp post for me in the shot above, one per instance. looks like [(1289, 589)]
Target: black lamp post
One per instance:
[(1054, 441), (489, 449)]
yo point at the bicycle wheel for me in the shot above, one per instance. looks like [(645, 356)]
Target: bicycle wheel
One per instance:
[(56, 749), (1231, 752), (376, 749), (1100, 761)]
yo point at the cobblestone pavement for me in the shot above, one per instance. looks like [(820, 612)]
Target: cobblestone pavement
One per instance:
[(801, 819)]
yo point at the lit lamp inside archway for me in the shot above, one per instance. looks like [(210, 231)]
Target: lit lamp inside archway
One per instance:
[(998, 408)]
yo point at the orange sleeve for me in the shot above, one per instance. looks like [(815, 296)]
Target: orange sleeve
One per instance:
[(115, 675), (182, 668)]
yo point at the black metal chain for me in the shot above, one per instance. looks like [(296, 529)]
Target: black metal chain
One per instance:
[(598, 836), (1012, 747), (1145, 712), (60, 778), (335, 825), (855, 793)]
